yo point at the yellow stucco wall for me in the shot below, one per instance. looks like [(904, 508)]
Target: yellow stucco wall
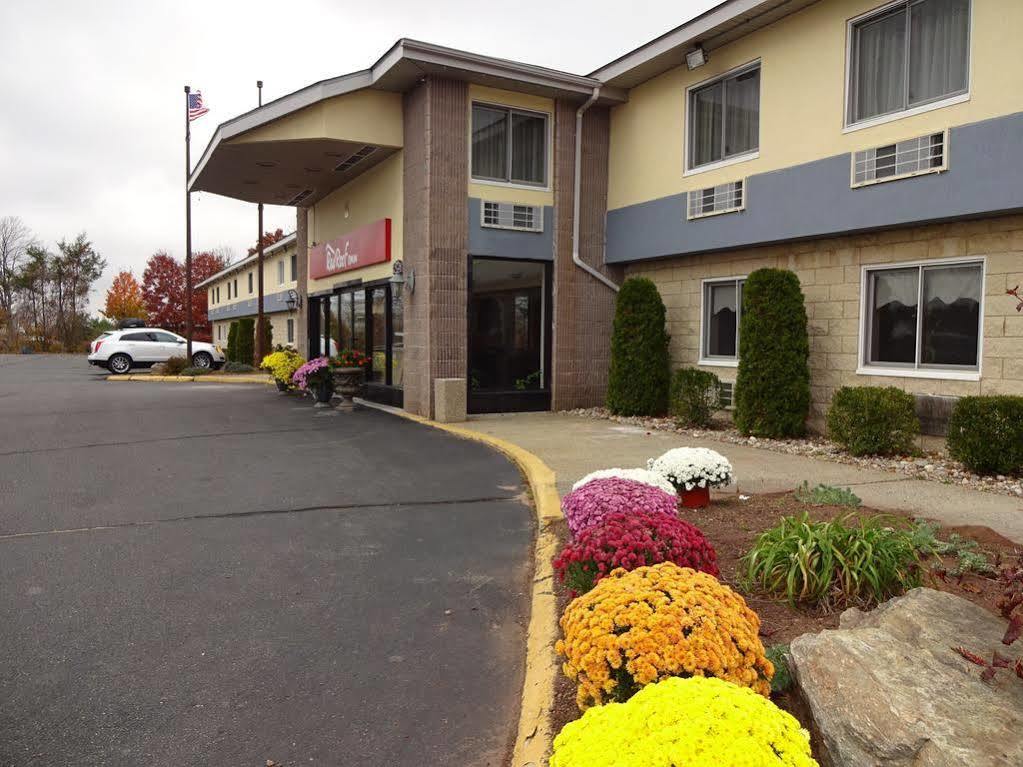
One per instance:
[(270, 282), (375, 194), (802, 99), (487, 190), (368, 116)]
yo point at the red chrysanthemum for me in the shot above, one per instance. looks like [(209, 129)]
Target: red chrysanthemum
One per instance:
[(631, 540)]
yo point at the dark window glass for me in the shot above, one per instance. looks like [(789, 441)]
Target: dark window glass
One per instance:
[(136, 337), (294, 267), (529, 138), (250, 282), (359, 320), (509, 145), (346, 321), (724, 118), (337, 320), (489, 143), (378, 332), (397, 335), (164, 338), (951, 319), (705, 117), (722, 301), (893, 315), (291, 331)]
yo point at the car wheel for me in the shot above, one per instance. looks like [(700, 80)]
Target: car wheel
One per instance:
[(202, 360), (119, 364)]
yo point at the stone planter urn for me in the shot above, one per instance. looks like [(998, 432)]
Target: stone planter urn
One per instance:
[(697, 498), (322, 392), (348, 384)]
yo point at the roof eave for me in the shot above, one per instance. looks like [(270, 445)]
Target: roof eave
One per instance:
[(281, 244)]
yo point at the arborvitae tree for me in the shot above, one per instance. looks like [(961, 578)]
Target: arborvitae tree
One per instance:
[(232, 342), (639, 376), (772, 388), (246, 342)]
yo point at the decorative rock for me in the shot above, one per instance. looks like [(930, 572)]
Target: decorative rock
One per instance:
[(887, 688)]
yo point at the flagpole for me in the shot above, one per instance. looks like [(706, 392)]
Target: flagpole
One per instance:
[(188, 235), (260, 333)]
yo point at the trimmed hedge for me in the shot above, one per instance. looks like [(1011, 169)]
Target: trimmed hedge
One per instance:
[(695, 396), (772, 388), (986, 434), (232, 342), (870, 420), (246, 345), (639, 376)]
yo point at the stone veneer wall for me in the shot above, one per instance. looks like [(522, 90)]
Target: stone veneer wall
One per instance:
[(583, 306), (830, 273), (435, 236)]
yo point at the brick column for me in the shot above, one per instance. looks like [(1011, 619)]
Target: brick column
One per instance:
[(583, 306), (301, 273), (435, 236)]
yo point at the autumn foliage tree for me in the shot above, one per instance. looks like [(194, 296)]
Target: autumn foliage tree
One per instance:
[(124, 298), (163, 292), (268, 238)]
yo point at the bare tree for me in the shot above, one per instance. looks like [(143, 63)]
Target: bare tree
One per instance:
[(15, 239)]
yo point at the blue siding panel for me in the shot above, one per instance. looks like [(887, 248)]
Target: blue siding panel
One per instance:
[(507, 243)]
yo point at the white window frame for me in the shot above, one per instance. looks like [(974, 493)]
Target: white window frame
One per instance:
[(754, 154), (854, 184), (705, 359), (849, 126), (280, 271), (935, 372), (548, 147)]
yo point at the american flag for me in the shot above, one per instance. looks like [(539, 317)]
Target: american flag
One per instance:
[(195, 107)]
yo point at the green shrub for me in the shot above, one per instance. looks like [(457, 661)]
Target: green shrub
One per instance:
[(969, 559), (986, 434), (869, 420), (268, 337), (639, 376), (778, 654), (826, 495), (772, 387), (175, 365), (190, 371), (695, 397), (232, 342), (238, 367), (833, 564), (246, 340)]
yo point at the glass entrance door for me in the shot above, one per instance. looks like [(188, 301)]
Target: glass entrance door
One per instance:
[(509, 335)]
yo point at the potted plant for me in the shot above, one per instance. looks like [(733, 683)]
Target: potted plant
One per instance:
[(348, 369), (282, 365), (693, 471), (314, 376)]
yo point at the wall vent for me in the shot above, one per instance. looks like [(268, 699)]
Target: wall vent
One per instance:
[(299, 198), (727, 394), (715, 200), (913, 157), (509, 215), (350, 162)]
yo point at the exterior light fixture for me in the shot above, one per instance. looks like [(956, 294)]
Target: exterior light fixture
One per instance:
[(293, 301), (696, 58), (398, 273)]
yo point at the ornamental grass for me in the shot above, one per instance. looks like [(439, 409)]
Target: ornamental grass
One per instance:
[(630, 540), (635, 628), (591, 503), (697, 722)]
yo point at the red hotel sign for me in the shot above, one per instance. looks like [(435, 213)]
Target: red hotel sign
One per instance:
[(369, 244)]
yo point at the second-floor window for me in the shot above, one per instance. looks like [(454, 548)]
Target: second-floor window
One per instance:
[(250, 282), (509, 145), (294, 267), (724, 117), (280, 272), (908, 55)]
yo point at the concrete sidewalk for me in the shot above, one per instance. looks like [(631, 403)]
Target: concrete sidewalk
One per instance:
[(575, 445)]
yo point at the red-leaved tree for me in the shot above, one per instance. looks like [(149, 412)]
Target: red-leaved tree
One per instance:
[(163, 292), (204, 266), (269, 238)]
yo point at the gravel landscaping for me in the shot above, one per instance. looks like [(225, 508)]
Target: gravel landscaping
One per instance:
[(930, 466)]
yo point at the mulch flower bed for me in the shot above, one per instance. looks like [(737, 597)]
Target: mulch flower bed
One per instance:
[(931, 466), (733, 524)]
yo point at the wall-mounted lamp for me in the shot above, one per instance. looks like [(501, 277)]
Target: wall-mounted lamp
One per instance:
[(400, 277), (293, 301), (696, 58)]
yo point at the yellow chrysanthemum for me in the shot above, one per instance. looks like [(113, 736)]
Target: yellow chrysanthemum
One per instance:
[(698, 722), (651, 623)]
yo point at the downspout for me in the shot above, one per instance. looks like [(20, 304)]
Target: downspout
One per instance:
[(577, 199)]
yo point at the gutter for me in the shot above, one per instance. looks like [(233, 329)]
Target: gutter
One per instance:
[(577, 199)]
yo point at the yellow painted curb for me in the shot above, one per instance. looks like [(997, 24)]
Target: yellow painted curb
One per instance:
[(212, 378), (533, 741)]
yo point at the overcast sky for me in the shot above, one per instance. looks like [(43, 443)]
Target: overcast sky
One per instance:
[(91, 132)]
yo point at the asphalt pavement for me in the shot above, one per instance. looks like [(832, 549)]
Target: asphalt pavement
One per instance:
[(212, 574)]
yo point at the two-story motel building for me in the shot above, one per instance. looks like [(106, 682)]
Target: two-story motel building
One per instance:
[(232, 293), (875, 149)]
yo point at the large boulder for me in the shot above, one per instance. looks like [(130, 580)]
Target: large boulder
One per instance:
[(886, 688)]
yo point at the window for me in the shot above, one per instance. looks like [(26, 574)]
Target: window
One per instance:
[(294, 267), (509, 145), (280, 272), (908, 55), (291, 331), (220, 328), (229, 291), (250, 282), (217, 300), (722, 310), (138, 337), (235, 289), (913, 157), (924, 316), (166, 338), (723, 198), (724, 118)]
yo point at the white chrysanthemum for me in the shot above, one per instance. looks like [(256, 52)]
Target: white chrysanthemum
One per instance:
[(691, 467), (645, 476)]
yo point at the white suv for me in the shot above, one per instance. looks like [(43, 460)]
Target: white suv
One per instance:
[(121, 350)]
